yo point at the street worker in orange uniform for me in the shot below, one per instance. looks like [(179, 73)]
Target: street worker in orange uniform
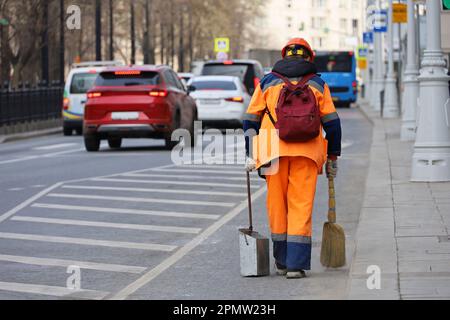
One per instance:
[(292, 167)]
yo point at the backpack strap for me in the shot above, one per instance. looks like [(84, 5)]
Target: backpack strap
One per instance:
[(301, 83), (267, 111)]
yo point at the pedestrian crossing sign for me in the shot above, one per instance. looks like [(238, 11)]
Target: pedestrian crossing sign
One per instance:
[(222, 45)]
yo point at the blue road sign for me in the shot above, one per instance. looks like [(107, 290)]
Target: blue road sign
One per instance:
[(363, 52), (380, 22), (368, 37)]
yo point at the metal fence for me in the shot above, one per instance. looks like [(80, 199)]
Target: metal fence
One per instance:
[(26, 103)]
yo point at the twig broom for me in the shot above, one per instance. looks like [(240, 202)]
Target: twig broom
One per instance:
[(333, 241)]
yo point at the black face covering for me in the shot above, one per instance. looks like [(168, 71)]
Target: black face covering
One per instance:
[(294, 66)]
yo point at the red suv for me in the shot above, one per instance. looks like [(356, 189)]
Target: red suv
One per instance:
[(137, 102)]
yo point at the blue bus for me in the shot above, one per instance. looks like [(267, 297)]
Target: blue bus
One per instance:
[(338, 70)]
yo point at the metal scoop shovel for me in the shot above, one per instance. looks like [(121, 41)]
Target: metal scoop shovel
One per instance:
[(254, 248)]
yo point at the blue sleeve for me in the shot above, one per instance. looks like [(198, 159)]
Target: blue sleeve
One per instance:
[(333, 132), (250, 129)]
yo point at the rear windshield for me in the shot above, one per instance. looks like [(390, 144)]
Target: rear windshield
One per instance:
[(214, 85), (235, 70), (113, 79), (82, 82), (334, 62)]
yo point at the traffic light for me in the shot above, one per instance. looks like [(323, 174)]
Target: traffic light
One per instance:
[(446, 5)]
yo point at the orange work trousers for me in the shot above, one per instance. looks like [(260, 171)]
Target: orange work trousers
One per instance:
[(290, 199)]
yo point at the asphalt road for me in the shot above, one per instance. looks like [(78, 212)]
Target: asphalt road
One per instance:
[(139, 227)]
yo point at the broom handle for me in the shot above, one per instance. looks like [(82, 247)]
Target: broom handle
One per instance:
[(332, 201), (249, 194)]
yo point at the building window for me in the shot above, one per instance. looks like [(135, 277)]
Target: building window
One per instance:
[(319, 3), (343, 24)]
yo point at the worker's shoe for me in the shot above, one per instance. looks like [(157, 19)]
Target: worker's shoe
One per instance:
[(297, 274), (280, 269)]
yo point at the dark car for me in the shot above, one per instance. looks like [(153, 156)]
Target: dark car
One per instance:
[(137, 102), (249, 71)]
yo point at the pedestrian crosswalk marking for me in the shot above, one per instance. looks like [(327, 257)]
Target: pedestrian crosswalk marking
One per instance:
[(88, 242), (127, 211), (179, 183), (183, 251), (107, 225), (52, 291), (178, 176), (66, 263), (175, 191), (241, 172), (144, 200)]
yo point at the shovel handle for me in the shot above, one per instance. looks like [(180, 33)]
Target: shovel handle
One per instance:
[(249, 195), (331, 201)]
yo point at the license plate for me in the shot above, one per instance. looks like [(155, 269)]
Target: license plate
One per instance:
[(125, 115), (335, 99), (209, 101)]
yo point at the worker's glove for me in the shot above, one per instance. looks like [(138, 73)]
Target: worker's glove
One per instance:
[(331, 168), (250, 164)]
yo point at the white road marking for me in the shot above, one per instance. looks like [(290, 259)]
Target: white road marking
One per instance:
[(175, 191), (156, 271), (88, 242), (66, 263), (52, 291), (241, 172), (56, 146), (16, 189), (179, 176), (179, 183), (207, 166), (107, 225), (128, 211), (346, 144), (48, 155), (144, 200), (26, 203)]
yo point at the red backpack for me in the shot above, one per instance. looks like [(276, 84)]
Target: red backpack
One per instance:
[(297, 111)]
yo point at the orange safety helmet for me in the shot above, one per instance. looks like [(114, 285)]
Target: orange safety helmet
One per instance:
[(301, 42)]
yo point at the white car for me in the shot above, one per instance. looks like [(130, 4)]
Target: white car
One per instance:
[(220, 99), (80, 79)]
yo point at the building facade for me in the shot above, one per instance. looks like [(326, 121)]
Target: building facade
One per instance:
[(326, 24)]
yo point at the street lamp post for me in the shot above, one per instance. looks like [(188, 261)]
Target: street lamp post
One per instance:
[(98, 30), (378, 78), (391, 109), (431, 158), (411, 84)]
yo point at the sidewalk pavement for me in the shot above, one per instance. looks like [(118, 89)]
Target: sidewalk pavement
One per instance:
[(30, 134), (404, 226)]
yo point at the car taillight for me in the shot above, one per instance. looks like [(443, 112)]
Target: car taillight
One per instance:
[(235, 99), (92, 95), (228, 62), (128, 73), (354, 84), (158, 93), (66, 103), (256, 81)]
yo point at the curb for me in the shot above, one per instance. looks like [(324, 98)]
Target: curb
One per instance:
[(29, 135), (365, 114)]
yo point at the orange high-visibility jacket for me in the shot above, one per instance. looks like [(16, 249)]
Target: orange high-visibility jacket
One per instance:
[(264, 144)]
